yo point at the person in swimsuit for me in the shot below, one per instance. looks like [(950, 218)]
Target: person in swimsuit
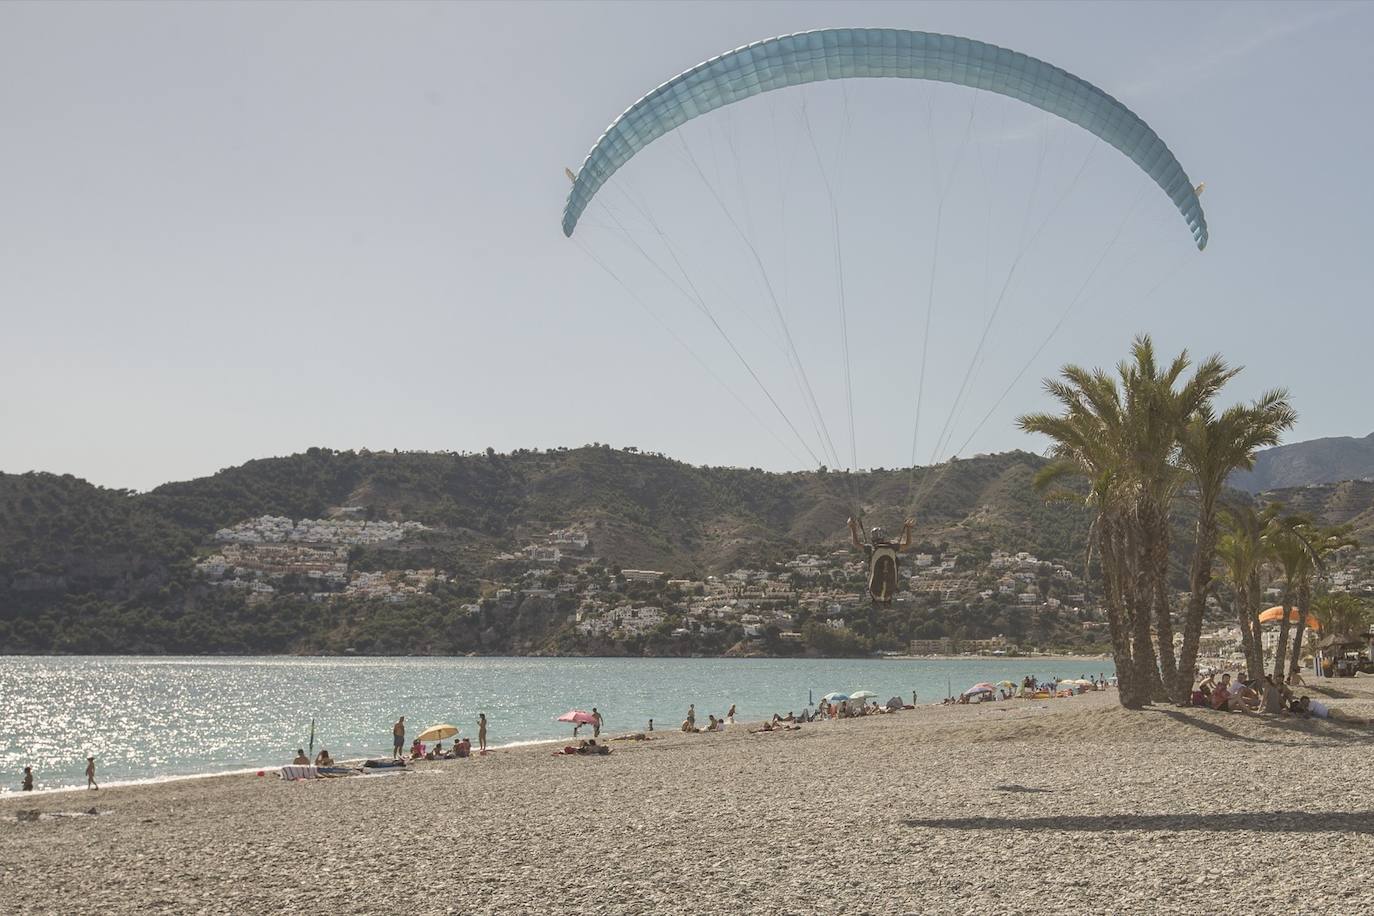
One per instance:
[(882, 558), (398, 737), (90, 773), (482, 732)]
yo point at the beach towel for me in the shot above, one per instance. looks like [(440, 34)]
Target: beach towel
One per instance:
[(295, 771)]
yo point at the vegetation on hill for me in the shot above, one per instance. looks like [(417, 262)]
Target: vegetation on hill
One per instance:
[(88, 569), (83, 568)]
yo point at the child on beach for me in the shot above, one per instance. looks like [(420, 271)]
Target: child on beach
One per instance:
[(90, 773)]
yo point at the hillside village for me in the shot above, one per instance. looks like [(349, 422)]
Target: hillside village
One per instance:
[(812, 602)]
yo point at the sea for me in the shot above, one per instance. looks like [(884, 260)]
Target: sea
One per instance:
[(156, 718)]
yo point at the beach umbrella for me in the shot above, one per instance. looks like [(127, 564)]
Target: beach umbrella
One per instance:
[(979, 688), (863, 695), (1010, 684), (835, 697), (577, 717), (436, 733), (983, 685)]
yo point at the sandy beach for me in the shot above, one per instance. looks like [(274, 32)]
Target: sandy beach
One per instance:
[(1020, 806)]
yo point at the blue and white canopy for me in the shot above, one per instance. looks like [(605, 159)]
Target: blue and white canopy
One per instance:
[(826, 54)]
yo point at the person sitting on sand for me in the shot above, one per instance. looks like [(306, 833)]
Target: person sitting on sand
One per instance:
[(1202, 695), (1271, 700), (464, 748), (730, 716), (1221, 694), (1246, 696), (591, 748), (322, 759), (301, 760), (417, 750)]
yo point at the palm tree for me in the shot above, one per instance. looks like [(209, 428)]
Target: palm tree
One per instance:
[(1321, 543), (1084, 438), (1287, 542), (1342, 614), (1157, 412), (1241, 550), (1211, 449)]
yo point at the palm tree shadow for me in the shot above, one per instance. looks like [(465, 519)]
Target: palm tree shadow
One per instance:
[(1330, 730), (1361, 822)]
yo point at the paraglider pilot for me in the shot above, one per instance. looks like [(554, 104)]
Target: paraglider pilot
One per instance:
[(882, 558)]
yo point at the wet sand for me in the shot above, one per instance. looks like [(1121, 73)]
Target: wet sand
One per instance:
[(1019, 806)]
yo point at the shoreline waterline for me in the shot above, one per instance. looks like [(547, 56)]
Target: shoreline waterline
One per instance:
[(161, 717)]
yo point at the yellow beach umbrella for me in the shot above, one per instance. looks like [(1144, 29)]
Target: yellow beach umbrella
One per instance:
[(437, 733)]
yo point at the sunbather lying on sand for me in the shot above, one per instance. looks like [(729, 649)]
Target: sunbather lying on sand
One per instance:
[(584, 749), (1316, 709), (778, 726)]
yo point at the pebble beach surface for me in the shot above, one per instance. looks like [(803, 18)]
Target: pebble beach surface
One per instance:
[(1058, 806)]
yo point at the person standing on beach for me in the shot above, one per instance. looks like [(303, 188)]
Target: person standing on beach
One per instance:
[(90, 773), (28, 779), (730, 716), (691, 716), (398, 738), (482, 732), (596, 723)]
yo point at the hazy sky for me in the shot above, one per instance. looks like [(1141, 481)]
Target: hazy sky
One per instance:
[(229, 231)]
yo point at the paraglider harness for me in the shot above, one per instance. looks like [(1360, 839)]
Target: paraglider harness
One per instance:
[(882, 570), (882, 564)]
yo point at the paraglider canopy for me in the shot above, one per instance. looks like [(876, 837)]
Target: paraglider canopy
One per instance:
[(1275, 614), (827, 54)]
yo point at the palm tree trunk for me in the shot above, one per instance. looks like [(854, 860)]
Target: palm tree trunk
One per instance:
[(1199, 585), (1163, 607), (1140, 602), (1249, 612), (1110, 558), (1304, 602), (1281, 650)]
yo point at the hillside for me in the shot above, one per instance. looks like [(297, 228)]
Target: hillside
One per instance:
[(1317, 461), (1348, 502), (84, 568)]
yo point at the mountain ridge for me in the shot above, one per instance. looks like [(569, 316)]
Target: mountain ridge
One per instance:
[(1313, 461)]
